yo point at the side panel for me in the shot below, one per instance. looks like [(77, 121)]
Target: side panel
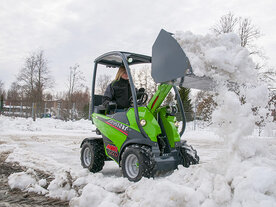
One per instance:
[(171, 130), (152, 127), (111, 129), (117, 134), (110, 149)]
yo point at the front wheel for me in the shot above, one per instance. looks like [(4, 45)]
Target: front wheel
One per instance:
[(92, 156), (136, 163)]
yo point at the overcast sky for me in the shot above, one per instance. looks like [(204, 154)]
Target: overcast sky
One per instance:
[(78, 31)]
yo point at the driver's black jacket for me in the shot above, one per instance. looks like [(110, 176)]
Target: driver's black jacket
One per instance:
[(119, 92)]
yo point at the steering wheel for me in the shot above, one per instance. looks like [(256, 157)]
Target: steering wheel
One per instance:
[(142, 98)]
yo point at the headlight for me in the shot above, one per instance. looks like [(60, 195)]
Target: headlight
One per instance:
[(176, 124), (130, 60), (143, 122)]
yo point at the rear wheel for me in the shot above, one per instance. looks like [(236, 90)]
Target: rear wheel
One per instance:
[(189, 155), (136, 163), (92, 155)]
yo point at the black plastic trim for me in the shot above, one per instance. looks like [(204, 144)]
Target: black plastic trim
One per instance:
[(89, 139), (138, 141)]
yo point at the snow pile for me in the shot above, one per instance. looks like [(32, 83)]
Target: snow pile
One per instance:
[(98, 190), (60, 187), (222, 58), (28, 181), (43, 125), (93, 196)]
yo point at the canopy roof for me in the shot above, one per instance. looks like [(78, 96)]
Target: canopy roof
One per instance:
[(114, 59)]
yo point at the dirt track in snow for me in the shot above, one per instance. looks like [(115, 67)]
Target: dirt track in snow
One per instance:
[(15, 197)]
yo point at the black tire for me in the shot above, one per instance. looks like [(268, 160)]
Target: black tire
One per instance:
[(92, 155), (144, 165), (189, 155)]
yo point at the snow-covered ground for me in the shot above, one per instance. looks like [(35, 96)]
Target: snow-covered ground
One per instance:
[(221, 179), (237, 167)]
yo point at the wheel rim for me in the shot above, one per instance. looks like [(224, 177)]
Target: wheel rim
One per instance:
[(87, 156), (132, 166)]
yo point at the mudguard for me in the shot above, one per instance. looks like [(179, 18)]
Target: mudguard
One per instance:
[(137, 141), (89, 139)]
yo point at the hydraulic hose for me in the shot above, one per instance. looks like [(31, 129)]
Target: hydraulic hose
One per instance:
[(181, 110)]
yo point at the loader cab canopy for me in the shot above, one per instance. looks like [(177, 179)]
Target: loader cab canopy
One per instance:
[(114, 59)]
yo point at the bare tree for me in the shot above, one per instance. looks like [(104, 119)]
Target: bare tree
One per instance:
[(272, 104), (42, 78), (75, 83), (143, 79), (83, 99), (102, 83), (26, 77), (35, 77), (14, 93), (247, 32), (2, 91), (1, 87), (169, 99), (226, 24), (205, 105), (269, 76)]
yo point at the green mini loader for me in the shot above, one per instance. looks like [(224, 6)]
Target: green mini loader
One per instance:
[(144, 139)]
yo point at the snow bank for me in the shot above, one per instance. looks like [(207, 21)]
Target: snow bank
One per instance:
[(27, 181), (95, 196), (45, 126), (61, 186)]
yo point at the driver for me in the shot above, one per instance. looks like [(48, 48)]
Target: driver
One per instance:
[(118, 91)]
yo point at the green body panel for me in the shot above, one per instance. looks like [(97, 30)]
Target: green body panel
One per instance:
[(117, 137), (149, 114), (152, 127), (158, 97), (170, 128)]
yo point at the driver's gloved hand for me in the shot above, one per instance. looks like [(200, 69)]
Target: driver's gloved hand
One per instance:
[(140, 92)]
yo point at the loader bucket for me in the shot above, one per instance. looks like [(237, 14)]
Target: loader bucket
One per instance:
[(201, 83), (171, 65)]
